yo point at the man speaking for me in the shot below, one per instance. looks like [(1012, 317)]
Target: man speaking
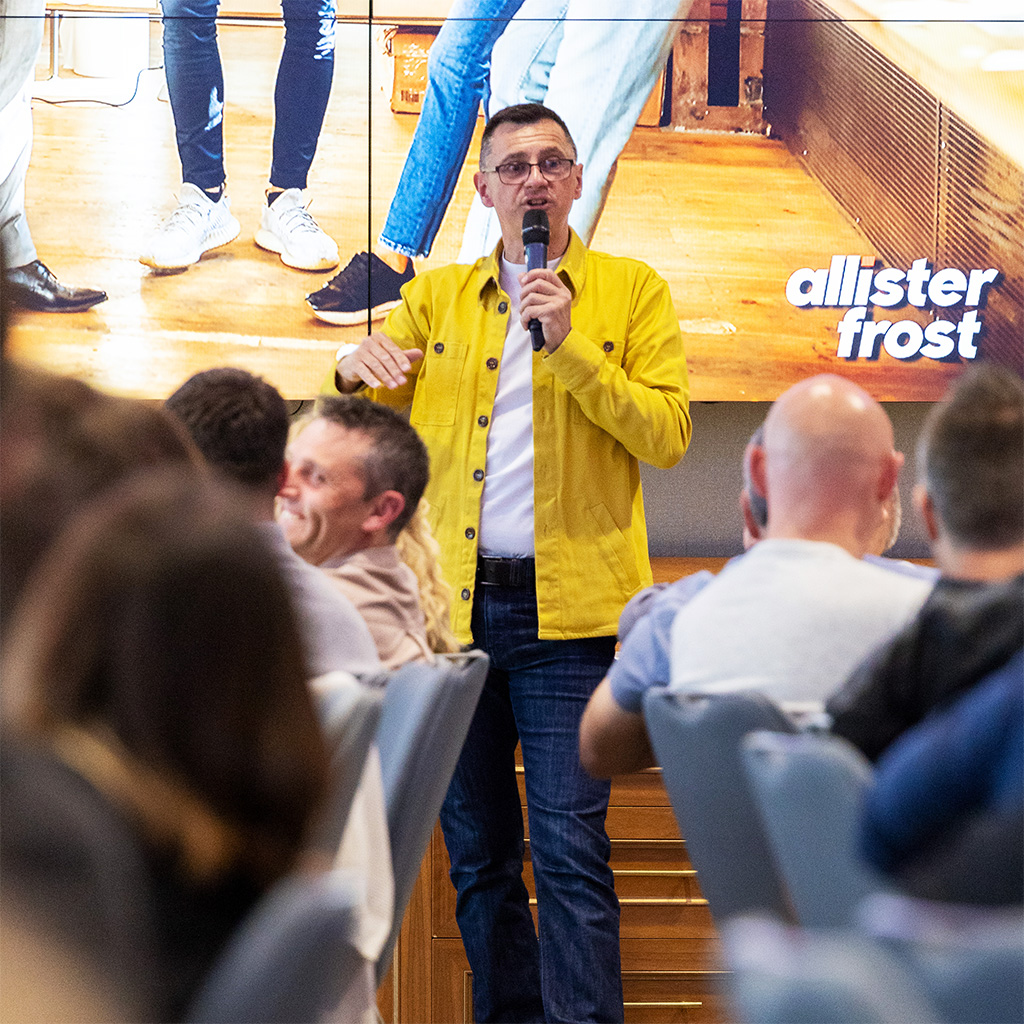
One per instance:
[(535, 489)]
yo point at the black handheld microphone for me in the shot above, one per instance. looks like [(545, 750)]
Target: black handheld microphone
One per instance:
[(536, 235)]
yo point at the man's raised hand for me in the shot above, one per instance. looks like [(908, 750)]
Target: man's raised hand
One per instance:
[(378, 362)]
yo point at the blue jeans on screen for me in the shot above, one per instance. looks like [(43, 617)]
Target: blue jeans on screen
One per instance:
[(535, 693), (457, 71), (195, 85)]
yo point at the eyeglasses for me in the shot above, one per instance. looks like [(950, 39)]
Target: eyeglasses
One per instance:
[(515, 172)]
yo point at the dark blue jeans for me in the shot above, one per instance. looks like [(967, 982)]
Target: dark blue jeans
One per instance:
[(535, 693), (195, 85)]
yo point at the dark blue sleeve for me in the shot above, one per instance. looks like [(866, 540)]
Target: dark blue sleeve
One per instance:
[(967, 759)]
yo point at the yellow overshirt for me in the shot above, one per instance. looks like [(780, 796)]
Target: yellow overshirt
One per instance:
[(615, 391)]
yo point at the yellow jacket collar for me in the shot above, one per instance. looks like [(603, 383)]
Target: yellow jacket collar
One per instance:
[(572, 268)]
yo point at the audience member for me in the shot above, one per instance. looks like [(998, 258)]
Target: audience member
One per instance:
[(665, 599), (795, 612), (240, 425), (167, 757), (27, 281), (64, 442), (971, 478), (195, 85), (356, 476), (956, 774)]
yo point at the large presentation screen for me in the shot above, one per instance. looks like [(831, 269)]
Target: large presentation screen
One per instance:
[(826, 185)]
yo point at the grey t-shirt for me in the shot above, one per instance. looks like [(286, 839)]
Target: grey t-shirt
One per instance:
[(791, 618), (334, 633)]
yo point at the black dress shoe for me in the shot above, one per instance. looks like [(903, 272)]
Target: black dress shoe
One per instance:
[(34, 287)]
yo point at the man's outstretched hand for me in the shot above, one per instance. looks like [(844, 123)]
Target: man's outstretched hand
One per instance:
[(378, 362)]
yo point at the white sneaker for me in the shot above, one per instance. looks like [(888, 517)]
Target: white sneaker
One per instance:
[(198, 224), (288, 228)]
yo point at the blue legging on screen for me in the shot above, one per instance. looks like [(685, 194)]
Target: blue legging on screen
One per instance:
[(195, 84), (458, 67)]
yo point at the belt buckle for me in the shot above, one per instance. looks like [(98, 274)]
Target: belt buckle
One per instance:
[(500, 571)]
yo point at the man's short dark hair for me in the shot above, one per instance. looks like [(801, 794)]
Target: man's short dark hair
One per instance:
[(519, 115), (971, 459), (238, 421), (397, 459)]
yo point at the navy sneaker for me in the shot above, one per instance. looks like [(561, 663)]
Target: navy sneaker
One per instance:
[(343, 299)]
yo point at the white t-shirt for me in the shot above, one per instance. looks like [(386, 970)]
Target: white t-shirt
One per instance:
[(791, 618), (506, 508)]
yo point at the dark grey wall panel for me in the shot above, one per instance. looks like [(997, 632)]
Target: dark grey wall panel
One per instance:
[(692, 509)]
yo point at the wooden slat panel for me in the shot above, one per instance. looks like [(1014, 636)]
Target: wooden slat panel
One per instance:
[(693, 979), (981, 224), (867, 131), (864, 104)]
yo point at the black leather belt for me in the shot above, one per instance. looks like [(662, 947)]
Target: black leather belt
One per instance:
[(505, 572)]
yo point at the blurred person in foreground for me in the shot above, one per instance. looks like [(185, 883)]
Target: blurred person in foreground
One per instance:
[(63, 443), (162, 758)]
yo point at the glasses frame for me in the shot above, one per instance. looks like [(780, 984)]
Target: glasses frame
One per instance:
[(566, 161)]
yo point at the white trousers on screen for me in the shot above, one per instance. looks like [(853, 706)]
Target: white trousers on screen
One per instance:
[(15, 150)]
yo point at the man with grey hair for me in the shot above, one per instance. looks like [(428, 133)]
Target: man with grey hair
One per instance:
[(969, 494), (357, 473), (797, 611)]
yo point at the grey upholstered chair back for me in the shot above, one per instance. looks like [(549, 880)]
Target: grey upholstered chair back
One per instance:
[(350, 716), (426, 716), (808, 789), (291, 959), (968, 958), (697, 743), (779, 974)]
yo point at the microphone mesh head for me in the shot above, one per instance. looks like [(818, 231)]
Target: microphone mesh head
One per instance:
[(535, 227)]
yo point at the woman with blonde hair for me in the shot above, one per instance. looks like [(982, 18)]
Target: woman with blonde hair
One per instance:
[(418, 548)]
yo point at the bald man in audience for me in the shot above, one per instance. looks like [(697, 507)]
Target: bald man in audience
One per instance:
[(239, 423), (795, 613), (970, 494)]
